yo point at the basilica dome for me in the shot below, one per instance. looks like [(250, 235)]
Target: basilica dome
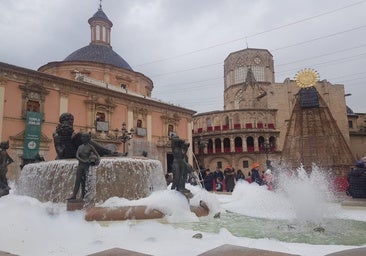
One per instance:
[(100, 54), (99, 50)]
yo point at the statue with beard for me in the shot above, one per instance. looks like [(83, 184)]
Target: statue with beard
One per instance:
[(66, 141)]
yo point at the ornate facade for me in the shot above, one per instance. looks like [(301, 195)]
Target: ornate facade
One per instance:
[(101, 90), (257, 110)]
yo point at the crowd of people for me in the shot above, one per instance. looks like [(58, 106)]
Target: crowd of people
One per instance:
[(225, 180)]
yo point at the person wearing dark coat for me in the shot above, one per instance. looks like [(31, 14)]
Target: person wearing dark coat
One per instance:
[(357, 181), (208, 180), (255, 174), (229, 174), (240, 175)]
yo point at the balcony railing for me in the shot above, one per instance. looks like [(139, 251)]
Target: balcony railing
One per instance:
[(236, 126)]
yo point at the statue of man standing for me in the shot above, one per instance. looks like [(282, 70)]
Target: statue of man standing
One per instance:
[(87, 156), (5, 160)]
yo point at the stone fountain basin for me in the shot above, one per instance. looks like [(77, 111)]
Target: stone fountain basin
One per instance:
[(130, 178)]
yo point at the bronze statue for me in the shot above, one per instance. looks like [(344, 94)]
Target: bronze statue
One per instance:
[(180, 166), (5, 160), (87, 156), (66, 141)]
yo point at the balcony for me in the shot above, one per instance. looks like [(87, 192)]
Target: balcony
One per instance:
[(248, 126), (238, 149)]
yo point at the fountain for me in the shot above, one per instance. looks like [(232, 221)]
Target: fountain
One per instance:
[(302, 210), (252, 216), (130, 178)]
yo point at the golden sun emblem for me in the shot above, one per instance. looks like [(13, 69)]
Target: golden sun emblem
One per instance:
[(306, 77)]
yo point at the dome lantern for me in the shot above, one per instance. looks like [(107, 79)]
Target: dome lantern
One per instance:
[(100, 27)]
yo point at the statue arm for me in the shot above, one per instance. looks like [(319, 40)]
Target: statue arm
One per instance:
[(9, 160), (96, 153)]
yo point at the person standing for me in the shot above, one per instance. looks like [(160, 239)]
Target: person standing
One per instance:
[(208, 180), (269, 179), (229, 178), (240, 175), (256, 177)]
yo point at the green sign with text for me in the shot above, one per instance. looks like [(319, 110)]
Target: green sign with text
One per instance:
[(32, 136)]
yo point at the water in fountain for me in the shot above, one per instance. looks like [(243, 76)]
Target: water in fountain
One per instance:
[(303, 209), (308, 193)]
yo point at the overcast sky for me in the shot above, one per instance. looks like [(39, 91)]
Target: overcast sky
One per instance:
[(182, 44)]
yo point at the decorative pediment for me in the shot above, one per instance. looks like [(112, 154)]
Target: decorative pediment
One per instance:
[(34, 91), (18, 139)]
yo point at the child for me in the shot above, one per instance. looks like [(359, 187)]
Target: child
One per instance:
[(219, 184)]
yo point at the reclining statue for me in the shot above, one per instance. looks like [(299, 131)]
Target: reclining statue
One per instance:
[(66, 141)]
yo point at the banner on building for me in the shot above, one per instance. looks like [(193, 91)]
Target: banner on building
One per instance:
[(32, 136)]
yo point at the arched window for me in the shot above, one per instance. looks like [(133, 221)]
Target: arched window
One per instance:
[(210, 146), (250, 144), (272, 143), (261, 144), (218, 146), (238, 144), (227, 145), (226, 124), (208, 122)]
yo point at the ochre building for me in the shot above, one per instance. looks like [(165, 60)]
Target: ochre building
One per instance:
[(102, 91)]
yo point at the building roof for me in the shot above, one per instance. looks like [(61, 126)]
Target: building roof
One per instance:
[(100, 15), (100, 54)]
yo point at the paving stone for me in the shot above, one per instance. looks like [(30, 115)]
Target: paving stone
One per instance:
[(117, 252), (2, 253), (233, 250), (351, 252)]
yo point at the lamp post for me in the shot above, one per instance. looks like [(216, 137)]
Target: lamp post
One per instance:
[(126, 136), (202, 143), (266, 151)]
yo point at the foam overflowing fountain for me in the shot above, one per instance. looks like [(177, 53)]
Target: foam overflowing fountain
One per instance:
[(307, 192), (130, 178)]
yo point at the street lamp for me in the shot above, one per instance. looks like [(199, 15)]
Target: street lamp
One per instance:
[(267, 149), (202, 143), (126, 136)]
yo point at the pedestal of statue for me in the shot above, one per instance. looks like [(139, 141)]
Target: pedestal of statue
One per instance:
[(75, 204)]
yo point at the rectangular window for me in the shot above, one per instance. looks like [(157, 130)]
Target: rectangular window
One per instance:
[(245, 164), (240, 74), (258, 73), (350, 124), (33, 106), (219, 164)]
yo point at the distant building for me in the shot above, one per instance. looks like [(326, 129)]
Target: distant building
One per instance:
[(101, 90), (257, 113)]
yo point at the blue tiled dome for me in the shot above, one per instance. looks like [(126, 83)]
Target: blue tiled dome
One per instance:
[(99, 54)]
